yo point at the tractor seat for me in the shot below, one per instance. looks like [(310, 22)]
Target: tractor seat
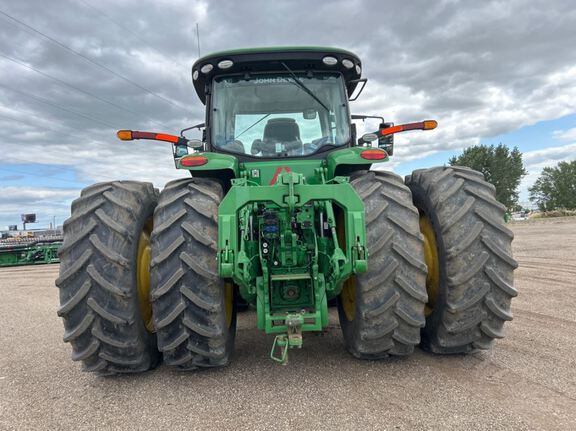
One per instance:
[(282, 130), (279, 131)]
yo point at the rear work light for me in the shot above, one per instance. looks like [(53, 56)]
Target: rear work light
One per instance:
[(373, 154), (207, 68), (348, 64), (225, 64), (191, 161), (329, 60)]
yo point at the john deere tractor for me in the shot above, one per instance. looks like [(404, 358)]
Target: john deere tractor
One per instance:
[(282, 211)]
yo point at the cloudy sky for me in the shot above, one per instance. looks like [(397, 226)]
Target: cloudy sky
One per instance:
[(72, 72)]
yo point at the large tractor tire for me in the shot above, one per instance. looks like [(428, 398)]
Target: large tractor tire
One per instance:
[(382, 311), (104, 264), (194, 309), (469, 255)]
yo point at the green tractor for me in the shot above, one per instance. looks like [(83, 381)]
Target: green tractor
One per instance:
[(282, 211)]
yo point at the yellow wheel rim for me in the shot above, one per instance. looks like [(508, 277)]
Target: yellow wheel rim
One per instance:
[(228, 302), (143, 276), (431, 258), (348, 298)]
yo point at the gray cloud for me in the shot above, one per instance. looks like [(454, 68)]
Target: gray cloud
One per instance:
[(480, 68)]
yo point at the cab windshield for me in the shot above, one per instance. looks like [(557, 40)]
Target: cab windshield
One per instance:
[(273, 115)]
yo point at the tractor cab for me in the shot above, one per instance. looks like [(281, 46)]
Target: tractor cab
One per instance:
[(272, 103)]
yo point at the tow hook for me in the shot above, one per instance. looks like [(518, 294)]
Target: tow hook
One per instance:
[(292, 339)]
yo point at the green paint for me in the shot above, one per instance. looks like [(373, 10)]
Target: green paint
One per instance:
[(29, 254), (262, 173), (290, 231), (272, 245)]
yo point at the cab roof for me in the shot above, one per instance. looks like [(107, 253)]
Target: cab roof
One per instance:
[(270, 59)]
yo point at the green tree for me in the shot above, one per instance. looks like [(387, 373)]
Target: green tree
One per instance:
[(501, 167), (555, 188)]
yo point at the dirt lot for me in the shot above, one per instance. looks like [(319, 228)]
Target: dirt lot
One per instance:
[(527, 382)]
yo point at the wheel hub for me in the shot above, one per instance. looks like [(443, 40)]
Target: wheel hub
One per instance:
[(143, 276), (431, 258)]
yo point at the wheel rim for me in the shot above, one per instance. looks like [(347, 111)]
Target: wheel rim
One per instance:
[(431, 258), (348, 298), (228, 302), (143, 276)]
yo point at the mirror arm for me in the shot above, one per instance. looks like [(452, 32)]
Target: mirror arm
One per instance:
[(197, 126), (364, 117)]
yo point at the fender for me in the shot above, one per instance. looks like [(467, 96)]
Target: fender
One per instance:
[(347, 160), (213, 165)]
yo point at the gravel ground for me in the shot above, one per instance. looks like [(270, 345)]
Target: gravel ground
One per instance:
[(527, 382)]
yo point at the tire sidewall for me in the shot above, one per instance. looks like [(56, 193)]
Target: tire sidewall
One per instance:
[(144, 217), (434, 320)]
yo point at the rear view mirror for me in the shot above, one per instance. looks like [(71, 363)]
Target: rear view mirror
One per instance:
[(369, 137), (386, 142), (309, 114), (194, 143)]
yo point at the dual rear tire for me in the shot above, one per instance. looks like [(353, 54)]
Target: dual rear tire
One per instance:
[(117, 271), (440, 265), (471, 267)]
